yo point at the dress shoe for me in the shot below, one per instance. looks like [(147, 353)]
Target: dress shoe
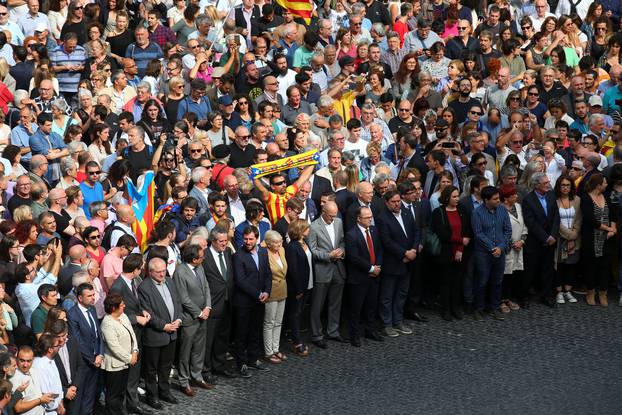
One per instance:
[(497, 315), (212, 379), (320, 343), (257, 365), (373, 335), (419, 317), (355, 341), (202, 384), (188, 391), (243, 372), (170, 399), (154, 403), (225, 373), (139, 411), (477, 316), (336, 338), (549, 302)]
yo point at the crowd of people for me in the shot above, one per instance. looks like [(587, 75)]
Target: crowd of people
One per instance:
[(470, 163)]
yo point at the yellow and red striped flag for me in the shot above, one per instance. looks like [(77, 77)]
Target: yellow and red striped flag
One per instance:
[(301, 8)]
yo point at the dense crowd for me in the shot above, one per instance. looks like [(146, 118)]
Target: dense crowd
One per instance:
[(469, 162)]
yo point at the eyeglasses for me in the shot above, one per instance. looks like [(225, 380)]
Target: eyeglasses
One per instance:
[(95, 172), (243, 136), (79, 7), (279, 183), (440, 128), (462, 28), (3, 14), (171, 69), (517, 142), (243, 103), (195, 150), (525, 27), (356, 24), (404, 109), (210, 167), (515, 99), (94, 237), (482, 163), (476, 112), (533, 94), (194, 47)]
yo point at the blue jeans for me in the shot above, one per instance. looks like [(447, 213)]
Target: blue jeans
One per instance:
[(393, 293), (490, 270)]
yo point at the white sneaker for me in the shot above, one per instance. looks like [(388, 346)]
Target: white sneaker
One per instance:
[(569, 297), (559, 299)]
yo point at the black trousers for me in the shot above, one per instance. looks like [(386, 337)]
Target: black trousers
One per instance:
[(157, 364), (539, 267), (133, 375), (596, 271), (294, 314), (248, 334), (217, 341), (116, 385), (363, 301), (451, 286)]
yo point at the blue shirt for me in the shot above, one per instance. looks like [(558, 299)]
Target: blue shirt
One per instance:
[(91, 194), (580, 125), (289, 52), (201, 108), (142, 57), (492, 229), (612, 94), (21, 137), (542, 200)]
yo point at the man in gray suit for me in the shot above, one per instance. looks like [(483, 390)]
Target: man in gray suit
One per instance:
[(326, 242), (201, 178), (196, 304)]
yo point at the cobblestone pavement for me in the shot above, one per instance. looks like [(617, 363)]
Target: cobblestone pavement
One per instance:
[(539, 361)]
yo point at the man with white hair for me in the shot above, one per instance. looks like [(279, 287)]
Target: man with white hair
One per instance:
[(138, 153), (201, 178), (17, 36), (270, 92), (542, 12), (136, 105)]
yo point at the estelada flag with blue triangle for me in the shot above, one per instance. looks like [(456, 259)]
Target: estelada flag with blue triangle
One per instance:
[(143, 203), (301, 8)]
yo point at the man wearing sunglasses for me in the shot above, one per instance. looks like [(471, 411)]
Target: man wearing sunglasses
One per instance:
[(464, 42), (91, 188)]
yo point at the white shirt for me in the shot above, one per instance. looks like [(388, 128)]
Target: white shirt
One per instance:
[(398, 216), (285, 82), (116, 234), (31, 392), (27, 293), (89, 317), (238, 212), (359, 149), (215, 255), (330, 228), (46, 376), (364, 232)]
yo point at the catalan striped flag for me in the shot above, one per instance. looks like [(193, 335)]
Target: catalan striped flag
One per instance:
[(301, 8), (143, 204)]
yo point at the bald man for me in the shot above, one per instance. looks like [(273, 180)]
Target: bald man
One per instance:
[(57, 201), (499, 93), (77, 257), (123, 225), (326, 242)]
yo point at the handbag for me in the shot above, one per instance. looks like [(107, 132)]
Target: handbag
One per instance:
[(431, 243)]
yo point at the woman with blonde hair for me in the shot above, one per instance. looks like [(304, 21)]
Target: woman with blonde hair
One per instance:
[(353, 176), (22, 213), (6, 77), (275, 306), (69, 171), (455, 70)]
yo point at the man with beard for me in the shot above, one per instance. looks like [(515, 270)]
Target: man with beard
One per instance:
[(284, 75), (305, 84), (249, 81), (420, 40), (497, 94), (196, 103)]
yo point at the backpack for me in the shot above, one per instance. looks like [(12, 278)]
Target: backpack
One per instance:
[(108, 234)]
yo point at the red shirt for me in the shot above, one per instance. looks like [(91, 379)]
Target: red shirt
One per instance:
[(455, 223), (401, 28)]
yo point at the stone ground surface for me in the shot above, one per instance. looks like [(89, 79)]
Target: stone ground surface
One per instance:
[(538, 361)]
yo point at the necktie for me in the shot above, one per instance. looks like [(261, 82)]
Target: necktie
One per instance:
[(370, 247), (223, 267), (134, 291), (91, 322), (196, 274)]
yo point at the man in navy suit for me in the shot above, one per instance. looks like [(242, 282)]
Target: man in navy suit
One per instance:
[(253, 284), (84, 327), (363, 262), (400, 240), (542, 220)]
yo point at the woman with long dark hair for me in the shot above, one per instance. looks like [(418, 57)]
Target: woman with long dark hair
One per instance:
[(9, 254), (154, 121), (245, 109), (100, 143), (568, 247), (406, 77), (75, 22)]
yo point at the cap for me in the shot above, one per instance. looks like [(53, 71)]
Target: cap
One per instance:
[(41, 27), (577, 164), (225, 100), (218, 72), (595, 100), (221, 151), (346, 60)]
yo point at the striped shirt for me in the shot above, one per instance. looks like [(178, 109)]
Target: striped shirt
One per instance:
[(68, 80), (142, 56), (492, 228), (276, 203)]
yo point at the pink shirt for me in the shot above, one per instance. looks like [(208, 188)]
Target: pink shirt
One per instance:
[(111, 267)]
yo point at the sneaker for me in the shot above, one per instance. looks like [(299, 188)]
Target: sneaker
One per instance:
[(477, 315), (569, 297), (559, 298), (390, 332), (497, 315), (402, 329)]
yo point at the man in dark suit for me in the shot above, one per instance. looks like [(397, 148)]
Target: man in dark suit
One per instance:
[(363, 262), (158, 296), (77, 256), (196, 303), (343, 197), (468, 204), (310, 209), (69, 362), (218, 268), (126, 285), (542, 220), (364, 194), (84, 327), (400, 240), (253, 284), (319, 185), (410, 157)]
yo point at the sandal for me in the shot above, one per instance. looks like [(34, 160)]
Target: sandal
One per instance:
[(301, 350), (281, 356), (274, 359), (513, 306), (504, 308)]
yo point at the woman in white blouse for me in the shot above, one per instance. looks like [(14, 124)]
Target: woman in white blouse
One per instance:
[(121, 352), (57, 16)]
